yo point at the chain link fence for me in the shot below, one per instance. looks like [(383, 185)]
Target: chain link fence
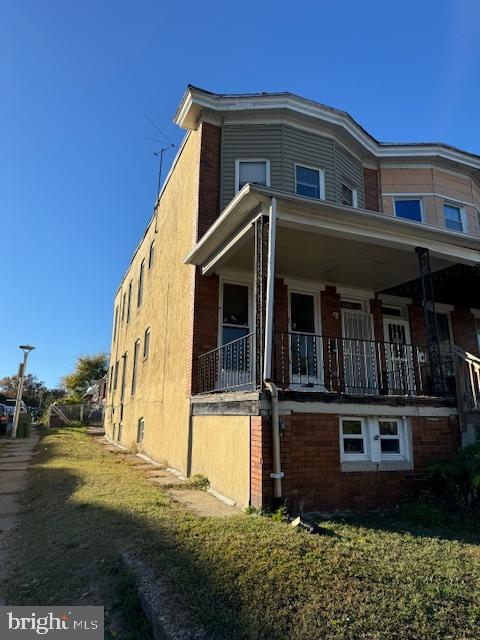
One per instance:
[(87, 413)]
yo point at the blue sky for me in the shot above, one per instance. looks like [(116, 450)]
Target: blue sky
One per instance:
[(77, 177)]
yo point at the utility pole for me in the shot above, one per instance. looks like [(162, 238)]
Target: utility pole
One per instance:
[(21, 375), (160, 153)]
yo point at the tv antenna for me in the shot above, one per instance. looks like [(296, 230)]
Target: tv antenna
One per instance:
[(161, 151)]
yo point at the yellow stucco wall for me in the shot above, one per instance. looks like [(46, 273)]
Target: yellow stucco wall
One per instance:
[(221, 451), (161, 395)]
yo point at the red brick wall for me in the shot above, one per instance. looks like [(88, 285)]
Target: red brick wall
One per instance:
[(372, 191), (311, 463), (209, 178), (205, 296), (261, 487), (416, 316), (464, 330)]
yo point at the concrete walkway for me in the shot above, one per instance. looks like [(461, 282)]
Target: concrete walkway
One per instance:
[(15, 459)]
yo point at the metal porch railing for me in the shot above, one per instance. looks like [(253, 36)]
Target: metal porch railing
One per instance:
[(228, 367)]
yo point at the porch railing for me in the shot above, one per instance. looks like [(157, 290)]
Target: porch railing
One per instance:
[(353, 366), (228, 367), (468, 380)]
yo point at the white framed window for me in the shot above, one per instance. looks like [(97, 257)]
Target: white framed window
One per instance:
[(253, 170), (310, 181), (146, 343), (354, 439), (374, 439), (235, 311), (140, 430), (454, 217), (409, 209), (349, 196)]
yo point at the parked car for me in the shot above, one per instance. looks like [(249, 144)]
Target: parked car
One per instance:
[(11, 404), (3, 419)]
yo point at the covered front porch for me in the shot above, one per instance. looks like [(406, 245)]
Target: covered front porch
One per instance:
[(325, 299)]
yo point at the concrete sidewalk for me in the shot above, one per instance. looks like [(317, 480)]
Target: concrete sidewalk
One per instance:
[(15, 459)]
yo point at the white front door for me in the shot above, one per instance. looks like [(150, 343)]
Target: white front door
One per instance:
[(306, 358), (399, 357), (359, 349)]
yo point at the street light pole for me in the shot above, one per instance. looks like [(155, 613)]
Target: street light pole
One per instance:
[(23, 369)]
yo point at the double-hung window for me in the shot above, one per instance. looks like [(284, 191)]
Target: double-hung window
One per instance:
[(151, 254), (140, 283), (253, 171), (129, 300), (349, 196), (374, 439), (146, 343), (409, 209), (136, 349), (140, 430), (453, 217), (309, 182)]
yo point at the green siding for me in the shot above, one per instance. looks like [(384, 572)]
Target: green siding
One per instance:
[(284, 146)]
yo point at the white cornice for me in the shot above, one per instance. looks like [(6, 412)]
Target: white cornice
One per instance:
[(196, 102)]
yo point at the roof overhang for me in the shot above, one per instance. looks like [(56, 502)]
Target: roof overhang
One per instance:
[(328, 219), (198, 104)]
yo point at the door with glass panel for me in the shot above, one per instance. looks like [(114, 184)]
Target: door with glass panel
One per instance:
[(359, 349), (306, 362), (400, 374), (446, 352), (235, 366)]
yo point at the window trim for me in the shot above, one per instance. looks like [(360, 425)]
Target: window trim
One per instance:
[(251, 303), (463, 217), (136, 351), (141, 275), (151, 255), (237, 170), (321, 172), (355, 457), (372, 439), (354, 191), (145, 333), (140, 421), (422, 210)]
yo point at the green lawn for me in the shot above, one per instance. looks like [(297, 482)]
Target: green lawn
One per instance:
[(242, 577)]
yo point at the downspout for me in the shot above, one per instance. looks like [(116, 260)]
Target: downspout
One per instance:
[(277, 474)]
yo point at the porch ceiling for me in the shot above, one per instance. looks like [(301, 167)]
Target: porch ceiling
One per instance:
[(313, 256)]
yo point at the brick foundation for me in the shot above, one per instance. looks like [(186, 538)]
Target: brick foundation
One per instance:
[(311, 463)]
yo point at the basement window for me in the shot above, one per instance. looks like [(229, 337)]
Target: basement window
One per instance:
[(374, 439)]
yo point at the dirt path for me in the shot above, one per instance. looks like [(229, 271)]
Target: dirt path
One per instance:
[(15, 459)]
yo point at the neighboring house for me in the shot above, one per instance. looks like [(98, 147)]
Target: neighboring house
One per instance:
[(97, 391), (301, 320)]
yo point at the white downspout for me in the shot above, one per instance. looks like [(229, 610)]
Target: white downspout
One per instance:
[(277, 474)]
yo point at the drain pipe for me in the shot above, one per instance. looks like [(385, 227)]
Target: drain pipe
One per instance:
[(277, 474)]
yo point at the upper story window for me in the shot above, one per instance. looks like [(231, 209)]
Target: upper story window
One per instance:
[(129, 300), (151, 255), (309, 182), (115, 324), (146, 343), (136, 349), (409, 209), (253, 171), (235, 311), (349, 196), (140, 284), (453, 217)]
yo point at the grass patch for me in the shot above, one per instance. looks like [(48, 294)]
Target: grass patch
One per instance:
[(240, 577)]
